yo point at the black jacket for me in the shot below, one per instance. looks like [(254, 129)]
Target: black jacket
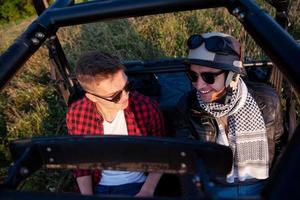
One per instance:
[(194, 122)]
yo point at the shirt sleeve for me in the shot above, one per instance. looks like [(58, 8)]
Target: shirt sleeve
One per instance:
[(70, 125), (70, 120)]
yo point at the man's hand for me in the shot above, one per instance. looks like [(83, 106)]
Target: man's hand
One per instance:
[(85, 185), (149, 186)]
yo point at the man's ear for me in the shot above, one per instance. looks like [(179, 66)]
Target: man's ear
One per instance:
[(91, 97)]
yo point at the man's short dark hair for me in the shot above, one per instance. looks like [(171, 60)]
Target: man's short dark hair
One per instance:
[(96, 65)]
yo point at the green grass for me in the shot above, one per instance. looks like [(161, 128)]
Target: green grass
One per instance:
[(30, 105)]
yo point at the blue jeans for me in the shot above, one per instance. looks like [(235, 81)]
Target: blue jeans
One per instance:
[(234, 192), (130, 189)]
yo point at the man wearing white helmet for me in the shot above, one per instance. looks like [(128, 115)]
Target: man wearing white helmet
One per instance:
[(224, 109)]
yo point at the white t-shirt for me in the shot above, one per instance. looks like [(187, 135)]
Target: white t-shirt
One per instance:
[(109, 177)]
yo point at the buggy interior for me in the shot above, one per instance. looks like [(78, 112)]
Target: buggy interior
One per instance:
[(163, 80)]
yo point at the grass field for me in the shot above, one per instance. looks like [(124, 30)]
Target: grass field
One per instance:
[(30, 106)]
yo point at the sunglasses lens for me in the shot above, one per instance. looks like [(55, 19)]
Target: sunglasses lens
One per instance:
[(193, 76), (216, 44), (220, 45), (117, 98), (195, 41), (209, 78)]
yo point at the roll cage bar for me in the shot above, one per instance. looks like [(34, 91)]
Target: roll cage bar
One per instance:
[(159, 155), (284, 53)]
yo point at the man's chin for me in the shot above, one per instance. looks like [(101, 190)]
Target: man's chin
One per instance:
[(206, 98)]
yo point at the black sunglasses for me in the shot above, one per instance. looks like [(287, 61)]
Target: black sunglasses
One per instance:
[(207, 77), (117, 96), (217, 44)]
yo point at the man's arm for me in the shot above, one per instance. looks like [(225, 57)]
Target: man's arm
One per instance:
[(279, 137), (156, 127), (83, 177), (149, 186), (85, 184)]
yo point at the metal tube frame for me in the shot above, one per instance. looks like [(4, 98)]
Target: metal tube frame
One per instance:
[(259, 24), (271, 37)]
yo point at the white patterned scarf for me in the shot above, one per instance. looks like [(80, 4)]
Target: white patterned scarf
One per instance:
[(246, 133)]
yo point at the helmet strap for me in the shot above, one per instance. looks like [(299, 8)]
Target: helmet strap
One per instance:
[(230, 84)]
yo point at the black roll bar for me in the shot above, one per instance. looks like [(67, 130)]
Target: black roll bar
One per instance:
[(85, 13), (25, 45), (284, 52), (61, 13), (149, 154), (274, 40)]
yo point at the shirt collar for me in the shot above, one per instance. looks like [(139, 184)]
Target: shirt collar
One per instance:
[(127, 111)]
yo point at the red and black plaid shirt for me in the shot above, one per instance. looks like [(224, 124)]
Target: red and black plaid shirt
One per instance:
[(143, 118)]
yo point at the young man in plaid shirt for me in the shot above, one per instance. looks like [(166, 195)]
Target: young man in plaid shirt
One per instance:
[(108, 108)]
